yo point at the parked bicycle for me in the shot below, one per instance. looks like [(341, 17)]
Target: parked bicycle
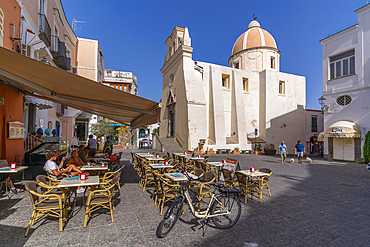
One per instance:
[(224, 208)]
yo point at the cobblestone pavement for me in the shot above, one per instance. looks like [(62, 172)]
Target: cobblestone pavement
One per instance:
[(319, 204)]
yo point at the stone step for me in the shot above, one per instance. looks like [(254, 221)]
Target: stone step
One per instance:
[(170, 145)]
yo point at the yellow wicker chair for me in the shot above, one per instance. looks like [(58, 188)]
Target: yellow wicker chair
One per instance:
[(168, 192), (45, 205), (204, 189), (229, 177), (249, 185), (265, 179), (101, 198)]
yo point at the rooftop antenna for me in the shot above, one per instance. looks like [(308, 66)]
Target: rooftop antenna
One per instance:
[(254, 17), (74, 25)]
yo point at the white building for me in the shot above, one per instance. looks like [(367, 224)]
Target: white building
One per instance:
[(346, 88), (224, 105), (121, 80)]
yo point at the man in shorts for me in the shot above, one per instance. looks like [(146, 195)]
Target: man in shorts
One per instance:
[(300, 151), (283, 151)]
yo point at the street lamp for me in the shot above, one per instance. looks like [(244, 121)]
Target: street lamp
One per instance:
[(322, 100), (324, 107)]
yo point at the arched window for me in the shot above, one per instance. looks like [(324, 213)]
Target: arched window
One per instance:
[(141, 133)]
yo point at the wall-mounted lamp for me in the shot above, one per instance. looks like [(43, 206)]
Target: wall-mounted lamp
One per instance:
[(324, 108)]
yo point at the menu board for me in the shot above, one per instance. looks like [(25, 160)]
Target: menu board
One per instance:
[(15, 130), (231, 165)]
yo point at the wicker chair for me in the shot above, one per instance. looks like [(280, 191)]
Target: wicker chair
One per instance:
[(248, 185), (45, 204), (101, 198), (265, 179), (204, 189), (168, 192), (146, 175), (229, 177)]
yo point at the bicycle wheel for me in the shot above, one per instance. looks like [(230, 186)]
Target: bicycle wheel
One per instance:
[(232, 204), (168, 223)]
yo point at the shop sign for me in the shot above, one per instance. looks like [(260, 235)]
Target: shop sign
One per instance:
[(337, 135), (336, 130), (15, 130)]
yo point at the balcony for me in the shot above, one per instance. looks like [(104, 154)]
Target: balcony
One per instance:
[(44, 30), (58, 50)]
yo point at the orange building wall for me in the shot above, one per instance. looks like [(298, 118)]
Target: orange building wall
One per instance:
[(12, 15), (12, 110)]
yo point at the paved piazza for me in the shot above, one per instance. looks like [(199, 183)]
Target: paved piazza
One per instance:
[(318, 204)]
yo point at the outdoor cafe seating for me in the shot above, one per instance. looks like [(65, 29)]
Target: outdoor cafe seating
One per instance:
[(52, 197)]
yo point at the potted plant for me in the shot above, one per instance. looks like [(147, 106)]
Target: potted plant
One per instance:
[(210, 151), (257, 150), (197, 151), (269, 149), (236, 151)]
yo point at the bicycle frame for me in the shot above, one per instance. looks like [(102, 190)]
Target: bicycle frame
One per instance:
[(206, 213)]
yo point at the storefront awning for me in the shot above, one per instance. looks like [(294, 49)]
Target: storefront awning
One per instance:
[(344, 129), (320, 137), (50, 83)]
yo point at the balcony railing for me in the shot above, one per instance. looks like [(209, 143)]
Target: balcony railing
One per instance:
[(58, 49), (313, 128), (44, 30)]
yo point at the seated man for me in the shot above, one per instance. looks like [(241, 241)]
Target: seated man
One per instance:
[(75, 160), (82, 154), (53, 168)]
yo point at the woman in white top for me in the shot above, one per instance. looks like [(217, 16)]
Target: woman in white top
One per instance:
[(53, 168)]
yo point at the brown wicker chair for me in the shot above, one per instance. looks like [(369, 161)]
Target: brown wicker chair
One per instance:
[(204, 189), (265, 179), (248, 185), (229, 177), (101, 198), (168, 192), (45, 204)]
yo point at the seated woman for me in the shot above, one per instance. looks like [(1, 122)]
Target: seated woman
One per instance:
[(53, 168), (9, 183), (75, 160)]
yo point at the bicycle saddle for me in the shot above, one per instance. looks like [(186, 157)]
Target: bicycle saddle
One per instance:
[(219, 185)]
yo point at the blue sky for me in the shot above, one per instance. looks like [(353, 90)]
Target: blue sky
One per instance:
[(132, 33)]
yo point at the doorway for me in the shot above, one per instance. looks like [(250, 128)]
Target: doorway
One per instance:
[(344, 149), (171, 124)]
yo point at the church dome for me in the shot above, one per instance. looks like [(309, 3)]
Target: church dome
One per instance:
[(254, 37)]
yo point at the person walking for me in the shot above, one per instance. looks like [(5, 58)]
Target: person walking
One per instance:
[(283, 151), (300, 150), (93, 145)]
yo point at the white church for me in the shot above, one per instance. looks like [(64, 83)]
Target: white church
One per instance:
[(224, 105)]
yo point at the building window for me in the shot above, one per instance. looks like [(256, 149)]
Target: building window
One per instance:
[(236, 65), (344, 100), (116, 86), (141, 133), (282, 87), (120, 87), (226, 81), (342, 64), (313, 123), (245, 85), (112, 85), (272, 62), (125, 88)]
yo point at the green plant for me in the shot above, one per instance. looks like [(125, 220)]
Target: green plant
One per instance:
[(211, 149), (258, 149), (236, 149), (366, 148), (196, 149), (269, 146)]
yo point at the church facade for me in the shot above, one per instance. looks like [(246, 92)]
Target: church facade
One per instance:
[(223, 106)]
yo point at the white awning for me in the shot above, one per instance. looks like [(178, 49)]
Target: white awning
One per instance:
[(320, 137), (344, 129), (43, 81)]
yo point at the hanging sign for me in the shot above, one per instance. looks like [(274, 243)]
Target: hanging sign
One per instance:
[(15, 130)]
